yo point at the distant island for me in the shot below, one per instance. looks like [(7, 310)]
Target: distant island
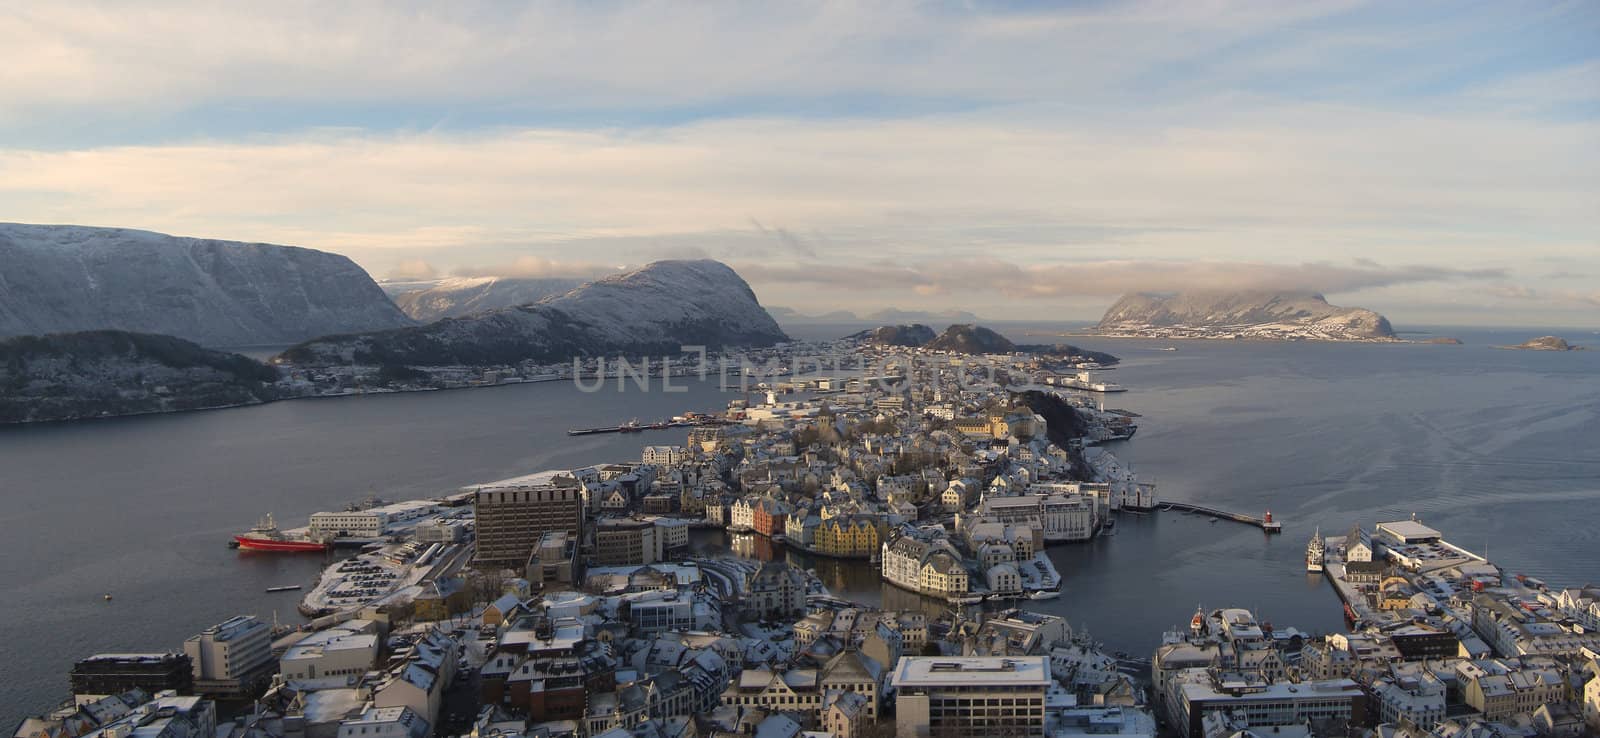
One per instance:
[(964, 338), (1545, 343), (1295, 316)]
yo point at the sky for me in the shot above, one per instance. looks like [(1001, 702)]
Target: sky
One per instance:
[(1438, 162)]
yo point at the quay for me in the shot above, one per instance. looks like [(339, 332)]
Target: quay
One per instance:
[(1265, 523)]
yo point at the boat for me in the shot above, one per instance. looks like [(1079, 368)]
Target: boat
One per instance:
[(108, 597), (284, 588), (1044, 594), (1316, 551), (266, 537), (631, 426), (1168, 348)]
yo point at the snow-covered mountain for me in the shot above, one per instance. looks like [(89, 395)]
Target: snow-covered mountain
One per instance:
[(1253, 314), (58, 279), (457, 296), (653, 310)]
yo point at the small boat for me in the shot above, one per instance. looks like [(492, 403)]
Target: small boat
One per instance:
[(284, 588), (1044, 594), (1214, 519), (1168, 348), (107, 597)]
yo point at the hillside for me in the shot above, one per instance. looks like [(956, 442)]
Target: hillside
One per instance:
[(1266, 315), (912, 335), (457, 296), (62, 279), (654, 310), (965, 338), (104, 373)]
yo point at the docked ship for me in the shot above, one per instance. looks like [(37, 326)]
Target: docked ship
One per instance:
[(266, 537), (1316, 551)]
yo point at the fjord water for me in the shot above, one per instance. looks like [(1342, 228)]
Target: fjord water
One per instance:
[(1500, 449)]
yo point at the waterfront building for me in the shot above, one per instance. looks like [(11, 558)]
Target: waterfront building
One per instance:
[(980, 696), (107, 674), (348, 524), (510, 520), (232, 657), (767, 517), (847, 536)]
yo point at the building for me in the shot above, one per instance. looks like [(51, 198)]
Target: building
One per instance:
[(663, 455), (626, 542), (554, 560), (980, 696), (347, 649), (232, 657), (767, 517), (1500, 689), (1591, 702), (114, 673), (1417, 700), (348, 524), (776, 590), (847, 536), (1258, 703), (384, 722), (510, 521)]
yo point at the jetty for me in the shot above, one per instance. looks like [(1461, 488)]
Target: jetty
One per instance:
[(1265, 522)]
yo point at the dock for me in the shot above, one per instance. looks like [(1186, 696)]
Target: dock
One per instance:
[(1265, 523)]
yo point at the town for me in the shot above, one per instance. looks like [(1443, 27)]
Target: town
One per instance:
[(569, 603)]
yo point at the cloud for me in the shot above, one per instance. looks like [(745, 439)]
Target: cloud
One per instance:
[(413, 269), (1106, 278), (539, 267)]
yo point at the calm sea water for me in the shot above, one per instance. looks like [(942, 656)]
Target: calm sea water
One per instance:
[(1500, 449)]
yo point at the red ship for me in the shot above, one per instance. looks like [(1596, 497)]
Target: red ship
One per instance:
[(266, 537)]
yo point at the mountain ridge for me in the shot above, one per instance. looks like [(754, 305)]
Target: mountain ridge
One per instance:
[(69, 278), (652, 310)]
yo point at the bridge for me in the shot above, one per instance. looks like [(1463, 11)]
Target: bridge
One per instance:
[(1265, 523)]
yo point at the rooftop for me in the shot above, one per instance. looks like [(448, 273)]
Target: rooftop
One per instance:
[(950, 671)]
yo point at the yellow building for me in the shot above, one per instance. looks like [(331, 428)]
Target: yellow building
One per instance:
[(847, 537)]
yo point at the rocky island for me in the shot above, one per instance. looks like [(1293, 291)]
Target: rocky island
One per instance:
[(1545, 343), (1242, 315)]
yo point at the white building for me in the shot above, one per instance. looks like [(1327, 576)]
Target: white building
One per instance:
[(230, 656), (344, 524), (346, 649), (1061, 517), (1420, 701), (384, 722), (981, 696)]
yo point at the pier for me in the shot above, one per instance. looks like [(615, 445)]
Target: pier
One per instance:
[(1265, 523)]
